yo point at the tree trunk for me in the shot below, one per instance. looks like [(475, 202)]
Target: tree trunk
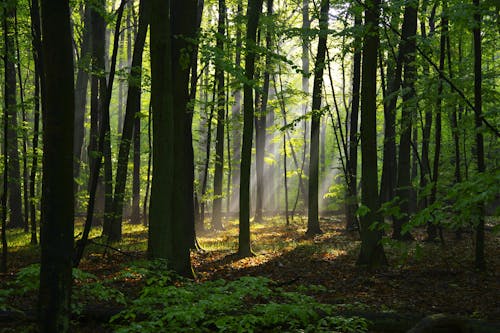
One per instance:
[(221, 102), (82, 79), (431, 226), (352, 161), (479, 258), (312, 215), (403, 188), (253, 12), (57, 195), (171, 207), (132, 111), (372, 253), (14, 174), (37, 59)]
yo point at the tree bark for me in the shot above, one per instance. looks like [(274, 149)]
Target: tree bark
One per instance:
[(57, 195), (372, 253), (253, 12), (16, 219), (403, 187), (319, 66), (221, 102), (479, 251)]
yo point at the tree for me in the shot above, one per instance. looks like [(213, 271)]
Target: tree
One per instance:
[(10, 99), (132, 111), (57, 193), (478, 105), (407, 49), (372, 253), (253, 13), (171, 213), (352, 161), (319, 66), (221, 100)]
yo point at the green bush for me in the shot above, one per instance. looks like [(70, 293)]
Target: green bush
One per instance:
[(249, 304)]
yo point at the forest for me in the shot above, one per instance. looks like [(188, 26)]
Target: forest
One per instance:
[(250, 166)]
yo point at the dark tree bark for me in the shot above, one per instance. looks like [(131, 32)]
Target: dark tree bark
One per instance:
[(57, 194), (16, 219), (221, 102), (171, 216), (236, 116), (253, 13), (37, 52), (24, 129), (81, 87), (261, 126), (372, 253), (403, 187), (319, 66), (389, 164), (132, 111), (431, 227), (352, 162), (479, 257)]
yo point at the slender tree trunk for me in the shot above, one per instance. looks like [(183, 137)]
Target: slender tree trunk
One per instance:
[(57, 195), (37, 57), (261, 125), (431, 227), (10, 100), (403, 189), (312, 215), (352, 161), (24, 129), (236, 116), (82, 79), (372, 253), (479, 258), (132, 111), (253, 12), (219, 141)]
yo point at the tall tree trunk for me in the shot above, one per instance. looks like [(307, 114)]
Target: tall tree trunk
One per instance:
[(37, 57), (57, 195), (253, 13), (236, 116), (403, 188), (431, 227), (389, 164), (306, 46), (372, 253), (261, 125), (352, 161), (132, 111), (82, 79), (171, 208), (24, 128), (312, 209), (221, 102), (14, 176), (479, 258)]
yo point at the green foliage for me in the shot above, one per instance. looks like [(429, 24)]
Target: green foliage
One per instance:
[(248, 304), (87, 290)]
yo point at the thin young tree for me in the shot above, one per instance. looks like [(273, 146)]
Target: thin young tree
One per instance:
[(221, 103), (479, 257), (57, 184), (313, 227), (253, 13), (408, 49), (16, 219), (371, 253)]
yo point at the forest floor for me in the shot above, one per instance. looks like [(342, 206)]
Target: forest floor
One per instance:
[(422, 277)]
